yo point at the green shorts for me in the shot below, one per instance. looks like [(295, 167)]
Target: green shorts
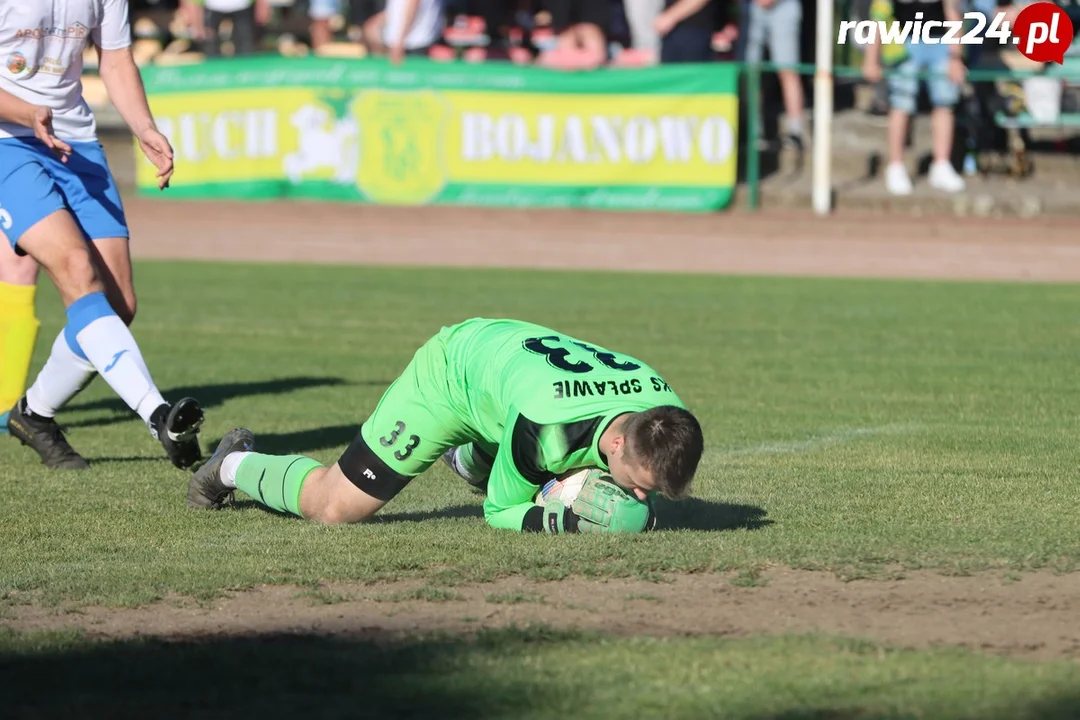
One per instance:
[(415, 422)]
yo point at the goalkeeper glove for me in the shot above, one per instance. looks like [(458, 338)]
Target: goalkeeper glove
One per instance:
[(600, 507)]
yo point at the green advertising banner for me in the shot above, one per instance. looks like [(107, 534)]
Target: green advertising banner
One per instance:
[(661, 138)]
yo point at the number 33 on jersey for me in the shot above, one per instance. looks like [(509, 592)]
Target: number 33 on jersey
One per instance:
[(560, 355)]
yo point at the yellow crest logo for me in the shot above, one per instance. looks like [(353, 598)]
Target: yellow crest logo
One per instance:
[(402, 160)]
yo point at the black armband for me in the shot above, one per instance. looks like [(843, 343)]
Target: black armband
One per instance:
[(366, 471)]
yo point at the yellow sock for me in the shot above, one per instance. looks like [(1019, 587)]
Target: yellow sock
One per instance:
[(18, 333)]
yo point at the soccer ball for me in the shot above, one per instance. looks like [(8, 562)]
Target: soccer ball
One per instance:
[(565, 487)]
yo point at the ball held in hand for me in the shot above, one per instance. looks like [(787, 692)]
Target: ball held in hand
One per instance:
[(565, 487)]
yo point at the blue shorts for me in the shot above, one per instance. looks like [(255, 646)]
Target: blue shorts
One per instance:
[(904, 85), (34, 184)]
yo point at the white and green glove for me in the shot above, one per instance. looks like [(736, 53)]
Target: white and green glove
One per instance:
[(600, 507)]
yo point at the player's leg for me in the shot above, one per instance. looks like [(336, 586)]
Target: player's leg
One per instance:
[(68, 204), (112, 257), (32, 204), (56, 243), (103, 220), (18, 325), (411, 427), (292, 484), (95, 199), (472, 463), (66, 373)]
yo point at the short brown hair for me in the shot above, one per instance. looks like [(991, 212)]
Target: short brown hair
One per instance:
[(666, 441)]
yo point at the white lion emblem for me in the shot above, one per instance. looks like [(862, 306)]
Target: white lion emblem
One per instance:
[(324, 143)]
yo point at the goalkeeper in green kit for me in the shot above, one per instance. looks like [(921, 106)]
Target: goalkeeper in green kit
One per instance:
[(508, 405)]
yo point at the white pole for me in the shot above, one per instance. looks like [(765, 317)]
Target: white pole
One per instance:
[(821, 160)]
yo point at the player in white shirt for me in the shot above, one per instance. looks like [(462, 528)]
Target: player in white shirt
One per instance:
[(60, 205)]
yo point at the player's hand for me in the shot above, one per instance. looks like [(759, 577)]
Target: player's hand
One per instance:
[(157, 150), (604, 507), (41, 122), (263, 12), (957, 71), (397, 53), (871, 70)]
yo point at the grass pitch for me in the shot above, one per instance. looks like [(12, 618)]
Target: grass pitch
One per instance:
[(852, 426), (529, 674)]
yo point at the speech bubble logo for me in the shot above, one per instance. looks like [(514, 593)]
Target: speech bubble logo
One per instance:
[(1043, 32)]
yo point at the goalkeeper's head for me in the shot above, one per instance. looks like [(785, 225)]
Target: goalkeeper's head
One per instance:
[(655, 450)]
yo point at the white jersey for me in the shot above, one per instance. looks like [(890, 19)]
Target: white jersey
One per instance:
[(226, 6), (41, 51)]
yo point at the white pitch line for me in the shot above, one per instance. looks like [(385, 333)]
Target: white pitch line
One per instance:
[(818, 442)]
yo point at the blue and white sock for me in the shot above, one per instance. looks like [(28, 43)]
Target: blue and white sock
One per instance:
[(97, 334)]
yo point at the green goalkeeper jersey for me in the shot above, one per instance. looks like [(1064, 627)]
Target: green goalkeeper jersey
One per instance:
[(538, 400)]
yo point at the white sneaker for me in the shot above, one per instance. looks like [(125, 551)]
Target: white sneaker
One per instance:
[(896, 179), (944, 177)]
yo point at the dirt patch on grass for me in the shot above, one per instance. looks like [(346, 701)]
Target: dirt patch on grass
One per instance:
[(1033, 615), (791, 243)]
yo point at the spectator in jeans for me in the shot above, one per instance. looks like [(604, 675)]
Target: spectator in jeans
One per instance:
[(944, 88), (779, 23), (641, 17), (206, 17), (686, 29)]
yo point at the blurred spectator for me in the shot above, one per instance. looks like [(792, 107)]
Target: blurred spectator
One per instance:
[(370, 16), (320, 12), (581, 26), (498, 17), (206, 17), (879, 106), (641, 17), (947, 67), (409, 27), (191, 11), (686, 29), (779, 23), (987, 9)]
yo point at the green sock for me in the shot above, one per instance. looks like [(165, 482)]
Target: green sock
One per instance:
[(275, 480)]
